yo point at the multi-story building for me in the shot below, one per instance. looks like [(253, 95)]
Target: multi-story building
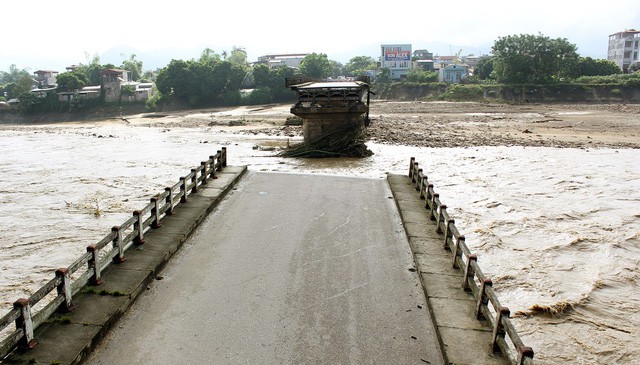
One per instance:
[(46, 78), (119, 86), (422, 54), (397, 58), (278, 60), (624, 48)]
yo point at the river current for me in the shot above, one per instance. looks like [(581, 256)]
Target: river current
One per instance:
[(558, 229)]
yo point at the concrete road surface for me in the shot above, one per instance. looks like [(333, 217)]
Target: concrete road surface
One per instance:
[(289, 269)]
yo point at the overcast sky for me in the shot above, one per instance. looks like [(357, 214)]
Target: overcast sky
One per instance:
[(41, 34)]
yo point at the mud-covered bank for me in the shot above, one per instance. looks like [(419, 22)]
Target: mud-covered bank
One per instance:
[(419, 124), (458, 124), (9, 117)]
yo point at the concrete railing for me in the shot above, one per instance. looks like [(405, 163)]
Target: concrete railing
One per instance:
[(504, 338), (62, 288)]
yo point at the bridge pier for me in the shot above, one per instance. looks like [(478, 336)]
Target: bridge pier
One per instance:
[(330, 107)]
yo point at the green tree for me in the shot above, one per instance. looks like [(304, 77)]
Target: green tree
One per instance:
[(69, 81), (587, 66), (271, 83), (238, 57), (533, 59), (173, 80), (262, 75), (93, 71), (484, 68), (384, 76), (209, 55), (316, 66), (358, 65), (24, 84), (337, 69), (149, 76), (134, 66), (29, 102), (14, 75), (200, 83)]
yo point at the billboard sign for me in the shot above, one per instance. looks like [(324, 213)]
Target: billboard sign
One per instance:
[(397, 53)]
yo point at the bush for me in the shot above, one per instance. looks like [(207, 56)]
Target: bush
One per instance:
[(153, 101), (259, 96), (231, 98), (623, 80)]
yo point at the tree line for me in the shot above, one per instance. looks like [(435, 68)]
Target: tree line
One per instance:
[(217, 79)]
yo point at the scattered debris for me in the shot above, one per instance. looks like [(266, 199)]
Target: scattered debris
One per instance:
[(293, 121), (348, 142)]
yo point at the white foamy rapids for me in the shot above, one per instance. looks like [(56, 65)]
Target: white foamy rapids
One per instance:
[(558, 228)]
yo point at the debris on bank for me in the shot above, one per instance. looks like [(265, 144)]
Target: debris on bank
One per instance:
[(348, 142)]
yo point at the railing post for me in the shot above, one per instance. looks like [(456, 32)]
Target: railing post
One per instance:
[(212, 160), (456, 250), (432, 208), (498, 328), (117, 243), (469, 271), (428, 198), (205, 174), (441, 210), (415, 171), (94, 265), (194, 180), (183, 189), (524, 352), (223, 161), (447, 233), (155, 210), (64, 288), (25, 323), (418, 180), (411, 161), (423, 186), (482, 297), (138, 226), (169, 201)]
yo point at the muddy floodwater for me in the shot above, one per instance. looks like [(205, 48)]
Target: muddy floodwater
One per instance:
[(556, 226)]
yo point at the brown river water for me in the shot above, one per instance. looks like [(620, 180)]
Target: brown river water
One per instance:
[(558, 229)]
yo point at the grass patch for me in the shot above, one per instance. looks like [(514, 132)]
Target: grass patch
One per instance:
[(94, 291), (60, 319)]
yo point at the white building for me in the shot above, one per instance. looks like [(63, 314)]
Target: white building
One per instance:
[(275, 61), (397, 58), (453, 74), (624, 48), (46, 78)]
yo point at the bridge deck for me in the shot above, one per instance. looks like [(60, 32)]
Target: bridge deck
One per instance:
[(290, 269)]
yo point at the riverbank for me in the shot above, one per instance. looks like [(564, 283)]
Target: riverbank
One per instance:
[(423, 124)]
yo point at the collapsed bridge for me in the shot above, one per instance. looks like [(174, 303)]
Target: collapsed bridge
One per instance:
[(334, 115)]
